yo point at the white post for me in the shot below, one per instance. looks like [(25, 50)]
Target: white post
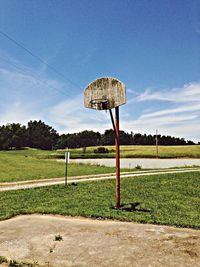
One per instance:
[(156, 143), (67, 156)]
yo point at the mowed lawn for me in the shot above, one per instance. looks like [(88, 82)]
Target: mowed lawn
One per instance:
[(29, 164), (169, 199)]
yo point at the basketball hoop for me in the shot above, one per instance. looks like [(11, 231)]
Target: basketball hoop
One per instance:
[(105, 94), (99, 104)]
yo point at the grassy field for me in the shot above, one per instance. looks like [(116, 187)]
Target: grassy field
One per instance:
[(140, 152), (125, 152), (28, 164), (170, 199)]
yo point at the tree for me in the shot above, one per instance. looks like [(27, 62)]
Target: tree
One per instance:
[(13, 136), (82, 139), (4, 137), (137, 139), (88, 138), (124, 138), (41, 135), (18, 135), (108, 138)]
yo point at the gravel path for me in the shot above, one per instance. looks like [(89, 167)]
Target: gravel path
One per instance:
[(77, 179)]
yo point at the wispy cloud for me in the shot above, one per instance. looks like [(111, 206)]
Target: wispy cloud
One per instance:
[(187, 129), (189, 92), (182, 109), (71, 116), (132, 92), (24, 96), (181, 115), (18, 113)]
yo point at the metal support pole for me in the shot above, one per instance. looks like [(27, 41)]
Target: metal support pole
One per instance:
[(116, 130), (113, 123), (117, 158)]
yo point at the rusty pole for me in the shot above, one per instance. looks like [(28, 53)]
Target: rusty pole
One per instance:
[(117, 158)]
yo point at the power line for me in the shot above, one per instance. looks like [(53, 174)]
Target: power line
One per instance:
[(33, 76), (38, 58), (12, 64)]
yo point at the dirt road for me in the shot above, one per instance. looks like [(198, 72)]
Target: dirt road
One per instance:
[(75, 179), (97, 243)]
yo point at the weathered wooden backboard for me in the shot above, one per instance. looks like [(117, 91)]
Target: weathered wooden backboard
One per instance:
[(105, 93)]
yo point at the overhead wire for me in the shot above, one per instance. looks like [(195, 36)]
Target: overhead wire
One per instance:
[(32, 76), (38, 58)]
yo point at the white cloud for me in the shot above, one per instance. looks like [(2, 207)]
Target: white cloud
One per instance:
[(166, 122), (15, 84), (188, 130), (132, 91), (18, 113), (25, 96), (181, 117), (71, 116), (189, 92), (182, 109)]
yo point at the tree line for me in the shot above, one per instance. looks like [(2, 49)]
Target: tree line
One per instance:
[(37, 134)]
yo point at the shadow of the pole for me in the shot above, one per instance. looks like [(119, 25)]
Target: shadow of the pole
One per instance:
[(131, 207)]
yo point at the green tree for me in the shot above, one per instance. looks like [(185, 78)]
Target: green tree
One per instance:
[(82, 139), (41, 135), (108, 138), (13, 136)]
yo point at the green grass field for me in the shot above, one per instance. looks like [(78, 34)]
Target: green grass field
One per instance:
[(170, 199), (125, 152), (140, 152), (28, 164)]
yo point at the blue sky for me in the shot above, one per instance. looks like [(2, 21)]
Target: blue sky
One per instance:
[(153, 47)]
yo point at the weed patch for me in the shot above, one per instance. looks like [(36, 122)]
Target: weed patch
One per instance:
[(58, 238), (3, 260)]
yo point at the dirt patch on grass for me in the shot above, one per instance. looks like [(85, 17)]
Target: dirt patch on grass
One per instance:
[(85, 242)]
